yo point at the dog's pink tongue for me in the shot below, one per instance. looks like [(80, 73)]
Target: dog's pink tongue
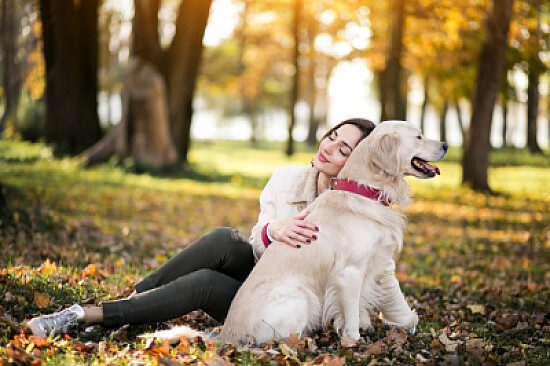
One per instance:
[(431, 168)]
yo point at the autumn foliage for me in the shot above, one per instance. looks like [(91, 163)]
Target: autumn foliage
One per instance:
[(475, 267)]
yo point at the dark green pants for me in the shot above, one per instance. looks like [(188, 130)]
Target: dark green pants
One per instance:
[(205, 275)]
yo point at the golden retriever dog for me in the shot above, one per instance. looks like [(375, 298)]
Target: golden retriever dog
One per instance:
[(350, 269)]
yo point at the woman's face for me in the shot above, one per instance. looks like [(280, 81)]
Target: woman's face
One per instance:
[(335, 149)]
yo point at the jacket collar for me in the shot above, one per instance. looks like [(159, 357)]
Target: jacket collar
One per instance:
[(304, 190)]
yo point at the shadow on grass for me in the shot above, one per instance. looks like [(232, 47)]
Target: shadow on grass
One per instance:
[(186, 171)]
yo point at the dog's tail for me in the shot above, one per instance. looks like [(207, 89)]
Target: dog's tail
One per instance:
[(174, 334)]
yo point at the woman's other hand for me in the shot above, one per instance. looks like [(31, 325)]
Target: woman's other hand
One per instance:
[(294, 231)]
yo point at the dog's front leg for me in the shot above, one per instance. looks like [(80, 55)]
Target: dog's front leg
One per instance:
[(349, 293), (393, 305)]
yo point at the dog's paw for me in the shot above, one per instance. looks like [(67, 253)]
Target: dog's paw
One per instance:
[(412, 330), (353, 334), (364, 320)]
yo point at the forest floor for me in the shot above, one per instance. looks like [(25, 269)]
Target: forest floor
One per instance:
[(476, 268)]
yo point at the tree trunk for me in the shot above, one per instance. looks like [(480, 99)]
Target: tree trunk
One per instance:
[(394, 77), (442, 121), (504, 122), (70, 53), (533, 96), (183, 68), (460, 120), (159, 88), (144, 100), (313, 124), (145, 39), (475, 161), (425, 103), (295, 78), (3, 202), (11, 74)]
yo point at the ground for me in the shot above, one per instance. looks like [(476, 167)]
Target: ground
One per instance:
[(475, 267)]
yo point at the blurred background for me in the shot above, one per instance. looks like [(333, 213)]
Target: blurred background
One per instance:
[(143, 78)]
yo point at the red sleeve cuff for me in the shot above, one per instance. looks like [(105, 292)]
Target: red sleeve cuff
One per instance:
[(265, 238)]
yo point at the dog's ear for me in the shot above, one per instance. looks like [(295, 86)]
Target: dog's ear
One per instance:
[(385, 154)]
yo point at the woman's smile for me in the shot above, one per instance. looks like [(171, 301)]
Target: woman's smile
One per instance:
[(322, 157)]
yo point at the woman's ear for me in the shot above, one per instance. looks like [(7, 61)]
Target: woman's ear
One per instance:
[(385, 155)]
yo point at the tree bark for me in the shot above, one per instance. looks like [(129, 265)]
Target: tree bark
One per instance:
[(313, 124), (475, 161), (144, 100), (533, 97), (460, 120), (70, 53), (425, 103), (295, 78), (394, 86), (442, 121), (11, 74), (184, 59)]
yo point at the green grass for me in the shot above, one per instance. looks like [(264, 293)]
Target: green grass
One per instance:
[(463, 251)]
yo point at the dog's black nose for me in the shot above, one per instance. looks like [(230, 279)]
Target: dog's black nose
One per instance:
[(444, 146)]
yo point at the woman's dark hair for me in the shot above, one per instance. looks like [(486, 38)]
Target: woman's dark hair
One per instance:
[(366, 126)]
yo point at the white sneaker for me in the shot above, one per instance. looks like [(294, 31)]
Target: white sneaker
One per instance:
[(57, 323)]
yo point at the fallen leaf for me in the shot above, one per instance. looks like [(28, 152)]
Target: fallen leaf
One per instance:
[(475, 343), (477, 309), (47, 266), (217, 361), (39, 341), (9, 296), (42, 299), (89, 271), (293, 341), (348, 342), (450, 346), (159, 349)]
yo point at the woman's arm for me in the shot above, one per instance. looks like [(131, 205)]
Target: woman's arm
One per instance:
[(293, 231)]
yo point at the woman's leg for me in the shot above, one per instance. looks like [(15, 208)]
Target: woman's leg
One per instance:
[(204, 289), (223, 250)]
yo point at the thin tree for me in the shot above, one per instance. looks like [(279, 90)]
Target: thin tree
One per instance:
[(475, 160), (295, 78), (393, 87), (534, 70), (443, 121)]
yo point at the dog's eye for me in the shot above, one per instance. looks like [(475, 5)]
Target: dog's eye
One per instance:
[(419, 137)]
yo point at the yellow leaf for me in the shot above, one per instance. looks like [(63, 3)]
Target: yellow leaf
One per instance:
[(42, 299), (47, 266), (160, 258), (89, 271), (477, 308)]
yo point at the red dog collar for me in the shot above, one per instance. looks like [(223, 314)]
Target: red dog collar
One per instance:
[(361, 189)]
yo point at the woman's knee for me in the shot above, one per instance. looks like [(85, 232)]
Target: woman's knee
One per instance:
[(204, 277), (224, 238), (220, 234)]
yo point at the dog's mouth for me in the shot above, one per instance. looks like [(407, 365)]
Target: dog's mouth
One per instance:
[(423, 167)]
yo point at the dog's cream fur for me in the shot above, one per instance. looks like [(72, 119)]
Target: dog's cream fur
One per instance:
[(350, 269)]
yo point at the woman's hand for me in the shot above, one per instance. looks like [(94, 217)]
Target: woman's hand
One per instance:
[(294, 231)]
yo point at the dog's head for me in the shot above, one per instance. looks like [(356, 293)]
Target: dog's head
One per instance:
[(395, 149)]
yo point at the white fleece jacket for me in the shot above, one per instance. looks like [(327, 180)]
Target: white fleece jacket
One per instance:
[(287, 193)]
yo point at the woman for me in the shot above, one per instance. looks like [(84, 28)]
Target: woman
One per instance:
[(207, 274)]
